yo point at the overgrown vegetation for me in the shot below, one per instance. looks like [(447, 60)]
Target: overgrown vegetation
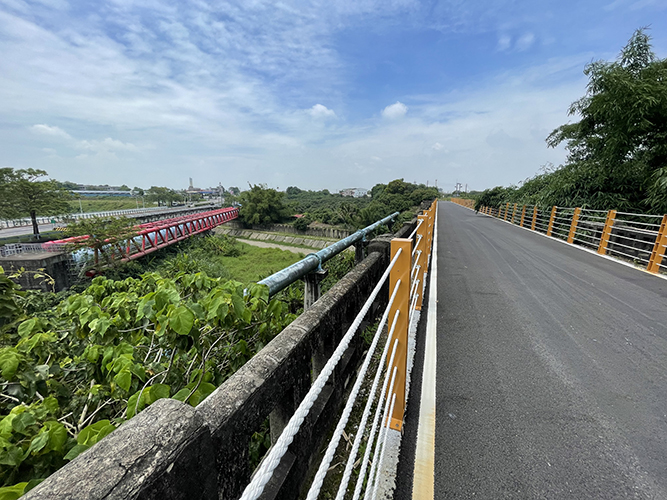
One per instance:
[(73, 372), (75, 365), (334, 209), (617, 151)]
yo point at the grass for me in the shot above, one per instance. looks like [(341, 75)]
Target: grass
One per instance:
[(256, 263), (104, 204)]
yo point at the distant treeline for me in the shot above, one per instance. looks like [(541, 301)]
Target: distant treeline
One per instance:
[(262, 205), (617, 151)]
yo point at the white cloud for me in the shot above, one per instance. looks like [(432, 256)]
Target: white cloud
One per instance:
[(437, 146), (396, 110), (504, 42), (321, 111), (525, 42), (106, 145), (50, 131)]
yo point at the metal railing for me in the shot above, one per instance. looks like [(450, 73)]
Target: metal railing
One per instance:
[(9, 223), (405, 274), (312, 262), (639, 238)]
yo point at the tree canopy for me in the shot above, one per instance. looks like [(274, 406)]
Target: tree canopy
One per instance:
[(162, 195), (261, 205), (101, 233), (617, 151), (23, 194)]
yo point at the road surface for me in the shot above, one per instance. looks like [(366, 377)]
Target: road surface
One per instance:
[(551, 369)]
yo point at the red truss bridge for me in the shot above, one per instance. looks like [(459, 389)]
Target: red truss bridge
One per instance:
[(153, 236)]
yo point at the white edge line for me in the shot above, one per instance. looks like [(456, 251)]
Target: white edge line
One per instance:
[(423, 486), (572, 245)]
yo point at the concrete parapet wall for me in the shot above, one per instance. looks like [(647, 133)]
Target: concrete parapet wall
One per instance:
[(174, 451), (55, 265)]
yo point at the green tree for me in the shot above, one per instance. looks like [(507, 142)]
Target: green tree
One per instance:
[(162, 195), (261, 205), (618, 149), (102, 235), (24, 194)]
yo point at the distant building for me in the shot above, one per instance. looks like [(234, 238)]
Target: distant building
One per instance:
[(354, 192)]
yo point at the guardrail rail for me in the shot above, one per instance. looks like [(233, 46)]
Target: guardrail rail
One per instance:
[(638, 238)]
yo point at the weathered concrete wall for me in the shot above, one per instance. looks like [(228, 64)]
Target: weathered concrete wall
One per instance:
[(173, 451), (55, 265), (318, 232)]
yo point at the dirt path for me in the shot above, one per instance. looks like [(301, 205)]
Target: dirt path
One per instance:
[(267, 244)]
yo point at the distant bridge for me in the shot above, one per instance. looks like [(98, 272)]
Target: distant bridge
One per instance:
[(152, 236)]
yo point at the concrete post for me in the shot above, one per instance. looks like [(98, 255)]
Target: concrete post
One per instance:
[(312, 288), (359, 251)]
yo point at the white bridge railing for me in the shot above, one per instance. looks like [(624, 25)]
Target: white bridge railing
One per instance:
[(405, 274)]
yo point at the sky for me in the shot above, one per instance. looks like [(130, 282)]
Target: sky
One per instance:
[(321, 94)]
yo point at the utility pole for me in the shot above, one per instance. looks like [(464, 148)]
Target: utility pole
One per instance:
[(457, 189)]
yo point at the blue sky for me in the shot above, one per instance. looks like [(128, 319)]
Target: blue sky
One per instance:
[(322, 94)]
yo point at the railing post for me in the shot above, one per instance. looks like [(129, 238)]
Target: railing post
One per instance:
[(658, 253), (430, 220), (573, 226), (534, 222), (513, 213), (507, 210), (421, 258), (606, 232), (551, 220), (400, 271), (312, 288), (523, 215)]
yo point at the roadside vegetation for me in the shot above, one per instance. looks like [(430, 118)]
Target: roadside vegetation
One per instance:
[(262, 205), (617, 151), (75, 365)]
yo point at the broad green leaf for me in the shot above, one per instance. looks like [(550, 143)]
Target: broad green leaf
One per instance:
[(76, 451), (95, 432), (132, 407), (9, 362), (51, 404), (12, 456), (23, 421), (123, 379), (27, 327), (12, 492), (38, 443), (182, 320), (157, 391), (57, 435)]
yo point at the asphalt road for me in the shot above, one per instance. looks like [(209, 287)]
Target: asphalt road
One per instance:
[(551, 371)]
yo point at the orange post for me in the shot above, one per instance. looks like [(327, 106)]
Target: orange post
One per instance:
[(606, 232), (573, 226), (400, 271), (551, 220), (534, 222), (507, 209), (513, 213), (421, 258), (658, 253), (523, 215)]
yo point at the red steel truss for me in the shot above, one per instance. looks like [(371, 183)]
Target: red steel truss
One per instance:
[(152, 236)]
